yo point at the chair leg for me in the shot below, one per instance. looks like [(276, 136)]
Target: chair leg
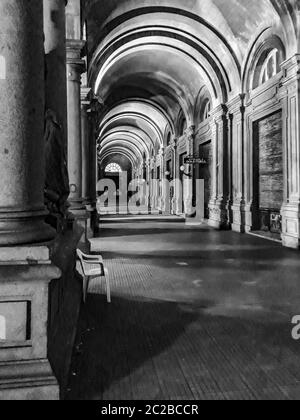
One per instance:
[(85, 287), (108, 292)]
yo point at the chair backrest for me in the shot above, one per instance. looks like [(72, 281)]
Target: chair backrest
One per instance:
[(80, 254)]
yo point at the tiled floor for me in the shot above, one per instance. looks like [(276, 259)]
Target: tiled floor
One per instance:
[(196, 314)]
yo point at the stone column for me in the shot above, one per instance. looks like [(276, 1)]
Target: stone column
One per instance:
[(188, 187), (85, 143), (165, 186), (290, 97), (177, 198), (22, 152), (55, 50), (218, 205), (236, 200), (161, 183), (25, 271), (75, 67), (148, 190), (93, 163)]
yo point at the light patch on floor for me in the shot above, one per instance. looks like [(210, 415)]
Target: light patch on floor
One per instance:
[(197, 283)]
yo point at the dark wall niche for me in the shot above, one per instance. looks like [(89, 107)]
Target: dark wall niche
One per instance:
[(268, 171)]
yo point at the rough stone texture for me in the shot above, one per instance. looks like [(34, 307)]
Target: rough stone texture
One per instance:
[(22, 123), (25, 371), (55, 50), (75, 67), (270, 162), (65, 302), (57, 179)]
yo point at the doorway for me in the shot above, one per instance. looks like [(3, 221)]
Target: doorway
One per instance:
[(268, 174)]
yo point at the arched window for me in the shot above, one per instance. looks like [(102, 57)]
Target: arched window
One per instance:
[(270, 67), (113, 168)]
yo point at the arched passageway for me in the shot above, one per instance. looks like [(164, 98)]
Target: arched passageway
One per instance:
[(178, 111), (188, 80)]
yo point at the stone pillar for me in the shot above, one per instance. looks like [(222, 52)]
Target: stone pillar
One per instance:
[(236, 144), (290, 97), (177, 197), (148, 188), (165, 186), (93, 164), (25, 271), (188, 187), (161, 183), (218, 205), (153, 185), (22, 151), (85, 143), (75, 67), (55, 50)]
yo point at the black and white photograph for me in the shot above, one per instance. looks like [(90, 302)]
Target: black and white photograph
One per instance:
[(149, 203)]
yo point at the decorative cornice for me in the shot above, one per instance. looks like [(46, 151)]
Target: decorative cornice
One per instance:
[(219, 112), (74, 48), (86, 95), (291, 69)]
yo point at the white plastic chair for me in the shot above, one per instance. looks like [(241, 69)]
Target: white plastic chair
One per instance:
[(93, 266)]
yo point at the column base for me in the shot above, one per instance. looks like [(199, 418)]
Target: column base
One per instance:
[(238, 217), (25, 372), (188, 208), (24, 228), (291, 226), (28, 381), (218, 216)]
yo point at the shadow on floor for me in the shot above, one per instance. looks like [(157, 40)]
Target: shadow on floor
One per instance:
[(132, 349), (113, 232), (116, 339)]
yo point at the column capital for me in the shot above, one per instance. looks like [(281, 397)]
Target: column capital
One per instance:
[(76, 65), (219, 113), (236, 104), (190, 133), (190, 137), (86, 96), (174, 143), (75, 48)]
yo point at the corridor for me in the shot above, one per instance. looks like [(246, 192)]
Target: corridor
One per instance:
[(196, 314)]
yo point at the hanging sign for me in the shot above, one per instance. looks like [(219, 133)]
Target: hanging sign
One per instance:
[(193, 160)]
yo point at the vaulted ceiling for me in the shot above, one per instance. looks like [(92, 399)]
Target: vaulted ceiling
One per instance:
[(150, 59)]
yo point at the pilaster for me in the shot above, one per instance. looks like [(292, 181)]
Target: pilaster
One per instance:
[(236, 172), (290, 98), (218, 205), (75, 67)]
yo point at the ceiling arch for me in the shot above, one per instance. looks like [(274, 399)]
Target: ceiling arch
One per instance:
[(152, 60)]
